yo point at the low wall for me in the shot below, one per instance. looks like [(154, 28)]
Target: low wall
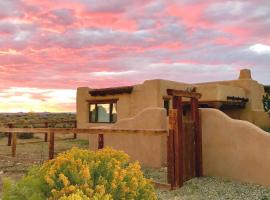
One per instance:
[(234, 149), (149, 150)]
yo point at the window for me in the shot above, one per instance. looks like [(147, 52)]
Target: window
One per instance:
[(166, 103), (102, 112)]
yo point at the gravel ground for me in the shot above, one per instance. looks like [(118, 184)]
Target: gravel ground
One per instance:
[(196, 189), (216, 189), (208, 188)]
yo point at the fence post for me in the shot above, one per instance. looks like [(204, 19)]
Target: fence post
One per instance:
[(75, 134), (100, 141), (198, 136), (9, 135), (14, 143), (46, 134), (51, 145)]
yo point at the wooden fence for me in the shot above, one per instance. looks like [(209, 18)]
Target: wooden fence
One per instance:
[(90, 131)]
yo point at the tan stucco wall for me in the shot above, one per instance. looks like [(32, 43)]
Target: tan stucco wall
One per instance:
[(149, 150), (261, 118), (234, 149)]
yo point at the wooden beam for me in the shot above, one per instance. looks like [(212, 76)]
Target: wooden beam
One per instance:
[(111, 91), (182, 93), (51, 145), (75, 134), (198, 137), (100, 141), (9, 135), (90, 131), (46, 134), (97, 101), (14, 143)]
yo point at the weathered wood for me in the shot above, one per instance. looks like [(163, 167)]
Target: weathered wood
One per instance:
[(170, 159), (51, 145), (91, 131), (111, 91), (9, 135), (46, 134), (172, 119), (179, 141), (198, 136), (100, 141), (75, 134), (182, 93), (14, 142)]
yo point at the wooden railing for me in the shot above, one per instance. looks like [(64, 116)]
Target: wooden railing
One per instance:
[(46, 125), (90, 131)]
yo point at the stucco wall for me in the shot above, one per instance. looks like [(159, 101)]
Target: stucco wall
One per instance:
[(149, 150), (261, 118), (234, 149)]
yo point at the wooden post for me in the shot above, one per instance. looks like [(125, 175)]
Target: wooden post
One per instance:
[(100, 141), (178, 142), (171, 149), (46, 134), (14, 142), (9, 135), (51, 145), (198, 136), (75, 134)]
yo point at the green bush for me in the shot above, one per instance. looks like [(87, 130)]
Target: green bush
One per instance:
[(81, 174)]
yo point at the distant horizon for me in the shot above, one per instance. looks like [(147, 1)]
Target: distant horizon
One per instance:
[(49, 48)]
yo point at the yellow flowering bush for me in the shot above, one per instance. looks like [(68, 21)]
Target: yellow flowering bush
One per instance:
[(91, 175)]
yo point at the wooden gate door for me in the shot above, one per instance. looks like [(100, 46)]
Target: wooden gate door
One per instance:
[(184, 140)]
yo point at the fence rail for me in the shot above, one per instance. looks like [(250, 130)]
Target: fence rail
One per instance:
[(90, 131)]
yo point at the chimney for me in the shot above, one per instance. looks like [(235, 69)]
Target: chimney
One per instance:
[(245, 74)]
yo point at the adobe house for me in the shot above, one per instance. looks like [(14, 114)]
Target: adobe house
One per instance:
[(239, 99), (233, 145)]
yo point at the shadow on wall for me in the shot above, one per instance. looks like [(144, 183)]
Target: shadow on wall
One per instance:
[(234, 149)]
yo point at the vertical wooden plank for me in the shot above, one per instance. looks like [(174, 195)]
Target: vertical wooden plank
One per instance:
[(171, 147), (100, 141), (51, 145), (169, 160), (179, 142), (46, 134), (9, 135), (198, 136), (75, 134), (14, 143)]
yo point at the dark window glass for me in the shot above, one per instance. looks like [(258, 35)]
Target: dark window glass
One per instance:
[(167, 105), (102, 113)]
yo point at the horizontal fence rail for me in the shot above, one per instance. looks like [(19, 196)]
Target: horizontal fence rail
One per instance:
[(89, 131), (84, 131)]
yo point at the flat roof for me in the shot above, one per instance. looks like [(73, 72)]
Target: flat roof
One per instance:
[(111, 91)]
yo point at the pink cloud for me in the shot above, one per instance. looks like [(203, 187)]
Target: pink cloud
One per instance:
[(61, 45)]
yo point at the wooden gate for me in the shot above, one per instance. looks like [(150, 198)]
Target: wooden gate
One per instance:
[(184, 141)]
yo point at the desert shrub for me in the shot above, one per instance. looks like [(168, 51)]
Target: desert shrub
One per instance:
[(266, 103), (81, 174), (25, 135)]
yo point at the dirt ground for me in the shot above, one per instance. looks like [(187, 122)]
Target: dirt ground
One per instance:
[(35, 151), (31, 152)]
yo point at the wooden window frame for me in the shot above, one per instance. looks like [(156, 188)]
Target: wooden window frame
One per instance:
[(111, 102)]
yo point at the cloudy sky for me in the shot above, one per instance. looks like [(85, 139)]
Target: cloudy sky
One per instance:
[(48, 48)]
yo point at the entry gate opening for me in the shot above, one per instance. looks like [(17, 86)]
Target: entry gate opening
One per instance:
[(184, 147)]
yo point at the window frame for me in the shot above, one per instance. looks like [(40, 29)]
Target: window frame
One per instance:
[(110, 102)]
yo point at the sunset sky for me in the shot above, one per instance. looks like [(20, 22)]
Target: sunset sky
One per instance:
[(49, 48)]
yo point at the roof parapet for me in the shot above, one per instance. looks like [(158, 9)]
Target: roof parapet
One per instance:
[(245, 74)]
